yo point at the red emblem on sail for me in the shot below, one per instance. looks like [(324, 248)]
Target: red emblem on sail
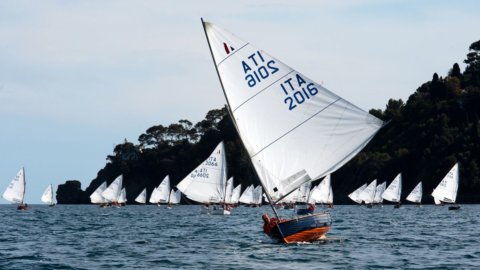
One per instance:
[(227, 48)]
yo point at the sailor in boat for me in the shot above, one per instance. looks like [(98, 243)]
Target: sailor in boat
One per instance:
[(23, 206)]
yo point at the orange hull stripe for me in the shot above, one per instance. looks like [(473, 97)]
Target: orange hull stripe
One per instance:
[(307, 236)]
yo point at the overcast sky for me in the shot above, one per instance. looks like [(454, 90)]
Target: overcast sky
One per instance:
[(77, 77)]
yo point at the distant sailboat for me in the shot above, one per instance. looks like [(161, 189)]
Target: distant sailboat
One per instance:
[(416, 195), (394, 191), (355, 195), (257, 196), (247, 195), (206, 184), (446, 191), (379, 193), (47, 196), (96, 196), (142, 197), (294, 130), (322, 193), (15, 191), (122, 199), (175, 197), (236, 194), (112, 192), (161, 194), (368, 194), (302, 200)]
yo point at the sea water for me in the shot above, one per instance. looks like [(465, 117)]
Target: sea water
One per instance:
[(151, 237)]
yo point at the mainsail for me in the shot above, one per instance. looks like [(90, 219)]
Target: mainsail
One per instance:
[(142, 197), (206, 184), (394, 190), (15, 191), (368, 194), (229, 191), (175, 197), (293, 129), (446, 191), (123, 196), (161, 194), (379, 193), (257, 195), (355, 196), (236, 194), (416, 194), (247, 195), (112, 192), (323, 192), (96, 196), (47, 196)]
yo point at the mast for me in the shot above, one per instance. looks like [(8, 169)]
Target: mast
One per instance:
[(234, 122)]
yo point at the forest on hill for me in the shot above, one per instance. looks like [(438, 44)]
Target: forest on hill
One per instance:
[(426, 135)]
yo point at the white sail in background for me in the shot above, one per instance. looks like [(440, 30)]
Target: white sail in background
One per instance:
[(142, 197), (437, 201), (112, 192), (236, 194), (206, 184), (330, 196), (416, 194), (175, 197), (161, 194), (96, 196), (247, 195), (294, 130), (15, 191), (257, 195), (446, 191), (303, 192), (47, 196), (394, 190), (123, 196), (229, 191), (323, 192), (355, 196), (368, 194), (379, 193)]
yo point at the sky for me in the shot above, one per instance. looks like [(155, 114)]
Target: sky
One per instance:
[(79, 77)]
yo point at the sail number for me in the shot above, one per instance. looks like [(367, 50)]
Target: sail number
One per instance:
[(202, 173), (257, 69), (297, 91), (211, 161)]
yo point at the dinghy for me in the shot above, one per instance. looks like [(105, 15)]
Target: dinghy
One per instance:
[(302, 200), (15, 191), (368, 194), (161, 194), (96, 196), (47, 196), (294, 130), (206, 184), (175, 197), (394, 191), (236, 195), (416, 195), (247, 195), (322, 193), (122, 199), (112, 192), (355, 195), (378, 194), (446, 191), (142, 197)]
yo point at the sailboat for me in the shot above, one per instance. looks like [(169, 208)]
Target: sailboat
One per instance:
[(446, 191), (247, 195), (161, 194), (302, 200), (96, 196), (236, 195), (294, 130), (47, 196), (122, 199), (368, 194), (394, 191), (175, 197), (15, 191), (355, 195), (416, 195), (112, 192), (142, 197), (378, 194), (206, 184), (325, 192)]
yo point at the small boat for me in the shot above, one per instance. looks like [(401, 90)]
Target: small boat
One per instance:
[(97, 198), (161, 194), (446, 191), (15, 191), (234, 199), (368, 194), (293, 129), (142, 197), (175, 197), (207, 183), (247, 196), (112, 192), (416, 195), (394, 191), (122, 199), (47, 196), (378, 200), (355, 195)]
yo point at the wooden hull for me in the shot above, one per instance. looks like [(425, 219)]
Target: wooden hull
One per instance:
[(308, 228)]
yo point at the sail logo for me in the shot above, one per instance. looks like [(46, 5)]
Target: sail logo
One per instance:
[(297, 91), (228, 48), (257, 69)]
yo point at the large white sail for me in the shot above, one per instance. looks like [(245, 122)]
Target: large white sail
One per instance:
[(355, 196), (416, 194), (15, 191), (142, 197), (175, 197), (394, 190), (112, 192), (323, 192), (368, 194), (96, 196), (123, 196), (247, 195), (294, 130), (379, 193), (446, 191), (47, 196), (236, 194), (161, 194), (206, 184), (229, 191)]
